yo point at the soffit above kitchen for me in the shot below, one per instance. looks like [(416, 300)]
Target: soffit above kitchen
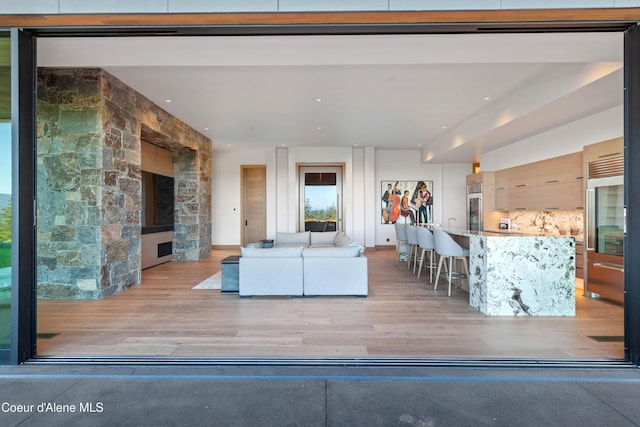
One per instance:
[(452, 96)]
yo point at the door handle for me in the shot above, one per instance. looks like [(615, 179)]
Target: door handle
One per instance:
[(246, 222), (609, 267)]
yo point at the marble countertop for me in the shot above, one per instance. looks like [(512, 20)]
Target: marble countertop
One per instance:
[(500, 233)]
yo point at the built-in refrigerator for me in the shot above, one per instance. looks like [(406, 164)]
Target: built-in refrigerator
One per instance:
[(604, 230), (474, 206)]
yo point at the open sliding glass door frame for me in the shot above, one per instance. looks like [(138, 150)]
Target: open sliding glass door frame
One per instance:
[(24, 140), (23, 117), (632, 194)]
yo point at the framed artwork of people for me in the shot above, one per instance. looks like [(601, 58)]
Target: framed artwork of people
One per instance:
[(410, 202)]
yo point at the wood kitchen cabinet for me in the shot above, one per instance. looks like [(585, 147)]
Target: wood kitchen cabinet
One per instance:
[(501, 179), (522, 198), (502, 199), (518, 177), (603, 150), (556, 183), (560, 196), (481, 177), (579, 259), (559, 169)]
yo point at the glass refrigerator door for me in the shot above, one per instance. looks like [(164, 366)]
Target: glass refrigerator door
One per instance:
[(609, 220), (474, 213)]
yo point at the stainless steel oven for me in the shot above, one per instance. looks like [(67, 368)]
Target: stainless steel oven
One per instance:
[(604, 231), (474, 206)]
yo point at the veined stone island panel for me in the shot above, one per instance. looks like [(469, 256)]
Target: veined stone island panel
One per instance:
[(89, 183)]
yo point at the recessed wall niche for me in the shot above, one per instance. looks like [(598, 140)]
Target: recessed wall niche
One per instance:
[(89, 229), (158, 205)]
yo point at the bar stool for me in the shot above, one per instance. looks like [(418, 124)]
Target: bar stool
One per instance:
[(412, 240), (448, 248), (401, 239), (426, 243)]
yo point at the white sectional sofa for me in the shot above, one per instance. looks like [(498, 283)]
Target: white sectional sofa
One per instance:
[(307, 263), (274, 271), (309, 239), (334, 271)]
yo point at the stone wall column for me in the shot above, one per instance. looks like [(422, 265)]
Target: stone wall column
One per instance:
[(69, 184), (90, 126), (192, 231)]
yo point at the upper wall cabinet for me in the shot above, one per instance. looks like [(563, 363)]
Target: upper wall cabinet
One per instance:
[(559, 169), (555, 183), (561, 196), (602, 150), (521, 176), (516, 177)]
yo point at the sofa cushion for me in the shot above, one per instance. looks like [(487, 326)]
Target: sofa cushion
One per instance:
[(323, 238), (292, 245), (354, 245), (345, 252), (271, 252), (341, 239), (285, 238)]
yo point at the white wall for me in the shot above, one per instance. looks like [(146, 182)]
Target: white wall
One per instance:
[(449, 195), (454, 194), (319, 155), (557, 142), (225, 192), (364, 170), (363, 165)]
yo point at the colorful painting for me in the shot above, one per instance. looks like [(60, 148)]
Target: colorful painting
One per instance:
[(410, 202)]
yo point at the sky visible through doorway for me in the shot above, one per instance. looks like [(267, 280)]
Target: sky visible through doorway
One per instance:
[(321, 196)]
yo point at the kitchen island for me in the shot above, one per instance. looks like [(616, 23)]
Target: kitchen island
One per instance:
[(520, 274)]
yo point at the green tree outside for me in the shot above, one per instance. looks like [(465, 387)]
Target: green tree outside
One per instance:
[(5, 237), (324, 214), (5, 224)]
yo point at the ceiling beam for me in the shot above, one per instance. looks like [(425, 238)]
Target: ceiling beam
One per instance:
[(516, 18)]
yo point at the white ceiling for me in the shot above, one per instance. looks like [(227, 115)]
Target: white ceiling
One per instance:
[(387, 91)]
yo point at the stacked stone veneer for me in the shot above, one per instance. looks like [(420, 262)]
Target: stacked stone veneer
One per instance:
[(89, 183)]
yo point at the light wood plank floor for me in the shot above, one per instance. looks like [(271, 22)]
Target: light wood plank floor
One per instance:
[(401, 317)]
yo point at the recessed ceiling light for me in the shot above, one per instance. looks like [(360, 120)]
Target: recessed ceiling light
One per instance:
[(318, 99), (419, 145), (486, 98), (319, 128), (355, 145), (444, 127), (206, 128), (167, 101)]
